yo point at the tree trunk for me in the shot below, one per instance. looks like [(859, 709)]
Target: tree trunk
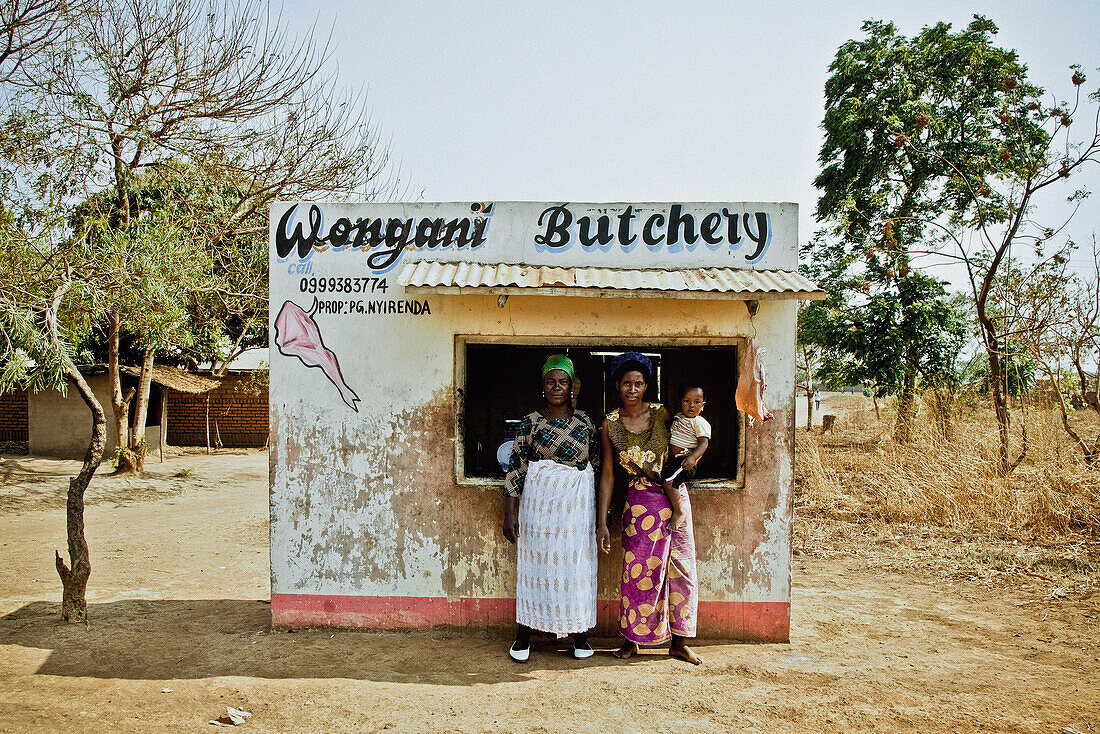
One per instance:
[(907, 400), (120, 404), (1000, 403), (945, 405), (141, 409), (809, 408), (74, 577), (997, 393)]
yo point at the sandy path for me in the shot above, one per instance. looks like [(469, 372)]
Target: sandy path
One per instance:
[(872, 650)]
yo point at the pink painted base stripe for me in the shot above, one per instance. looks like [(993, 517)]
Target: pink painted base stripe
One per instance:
[(387, 612), (755, 621)]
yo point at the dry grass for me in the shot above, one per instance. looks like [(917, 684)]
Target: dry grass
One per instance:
[(942, 506), (857, 471)]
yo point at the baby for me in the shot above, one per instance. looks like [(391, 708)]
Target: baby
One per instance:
[(689, 440)]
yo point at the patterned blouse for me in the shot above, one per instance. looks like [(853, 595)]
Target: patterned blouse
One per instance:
[(641, 454), (573, 441)]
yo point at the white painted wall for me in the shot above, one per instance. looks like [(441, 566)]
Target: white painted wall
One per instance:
[(61, 425)]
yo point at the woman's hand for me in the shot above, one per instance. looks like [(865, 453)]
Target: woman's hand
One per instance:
[(603, 538), (607, 482), (511, 522)]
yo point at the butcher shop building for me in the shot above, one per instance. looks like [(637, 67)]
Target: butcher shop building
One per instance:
[(407, 341)]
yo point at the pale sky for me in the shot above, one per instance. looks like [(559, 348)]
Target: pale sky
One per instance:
[(642, 101)]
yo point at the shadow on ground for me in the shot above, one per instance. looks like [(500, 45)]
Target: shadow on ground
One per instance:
[(204, 638)]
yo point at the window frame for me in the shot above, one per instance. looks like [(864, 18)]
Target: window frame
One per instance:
[(739, 343)]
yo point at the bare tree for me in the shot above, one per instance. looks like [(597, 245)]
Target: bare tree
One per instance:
[(219, 90), (28, 27), (995, 199), (104, 102), (1058, 317)]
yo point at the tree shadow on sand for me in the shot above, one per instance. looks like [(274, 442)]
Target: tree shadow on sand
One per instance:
[(203, 638)]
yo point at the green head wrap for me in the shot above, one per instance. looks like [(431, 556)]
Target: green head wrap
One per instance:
[(558, 362)]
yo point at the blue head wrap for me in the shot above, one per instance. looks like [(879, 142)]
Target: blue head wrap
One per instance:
[(628, 361)]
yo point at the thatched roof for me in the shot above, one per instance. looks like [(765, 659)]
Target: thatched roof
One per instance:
[(172, 378), (176, 379)]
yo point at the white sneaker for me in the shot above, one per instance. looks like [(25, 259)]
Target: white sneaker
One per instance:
[(520, 656)]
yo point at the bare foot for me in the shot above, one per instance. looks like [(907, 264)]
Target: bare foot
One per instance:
[(685, 653), (676, 520), (628, 650)]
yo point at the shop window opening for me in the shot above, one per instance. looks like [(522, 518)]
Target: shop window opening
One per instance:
[(502, 385)]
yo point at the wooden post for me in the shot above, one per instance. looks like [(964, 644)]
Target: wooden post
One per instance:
[(163, 419), (208, 422)]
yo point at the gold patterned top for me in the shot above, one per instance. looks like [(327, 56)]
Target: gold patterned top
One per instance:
[(641, 454)]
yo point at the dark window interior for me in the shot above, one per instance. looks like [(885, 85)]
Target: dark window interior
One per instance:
[(503, 385), (152, 415), (156, 395)]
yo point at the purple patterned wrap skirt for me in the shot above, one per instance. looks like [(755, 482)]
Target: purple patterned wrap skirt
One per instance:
[(658, 587)]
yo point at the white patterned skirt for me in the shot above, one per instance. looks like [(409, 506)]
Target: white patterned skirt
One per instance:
[(556, 551)]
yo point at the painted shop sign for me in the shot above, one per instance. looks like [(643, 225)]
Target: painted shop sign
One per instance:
[(676, 231), (332, 264), (384, 238), (619, 235)]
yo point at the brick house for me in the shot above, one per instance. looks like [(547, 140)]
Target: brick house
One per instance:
[(182, 407), (13, 418), (234, 412)]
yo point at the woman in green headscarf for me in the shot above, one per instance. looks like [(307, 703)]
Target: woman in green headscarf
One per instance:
[(550, 513)]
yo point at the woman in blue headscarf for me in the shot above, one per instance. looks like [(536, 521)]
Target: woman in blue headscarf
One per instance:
[(549, 514), (658, 600)]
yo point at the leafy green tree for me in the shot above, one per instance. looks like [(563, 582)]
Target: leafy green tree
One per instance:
[(226, 310), (149, 268), (230, 316), (931, 138), (893, 339), (877, 193)]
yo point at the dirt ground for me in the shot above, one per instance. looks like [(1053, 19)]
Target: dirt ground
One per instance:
[(887, 636)]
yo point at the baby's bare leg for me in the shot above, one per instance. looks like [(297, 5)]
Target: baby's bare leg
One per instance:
[(673, 495)]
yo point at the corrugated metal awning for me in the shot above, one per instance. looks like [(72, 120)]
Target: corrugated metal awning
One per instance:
[(503, 279)]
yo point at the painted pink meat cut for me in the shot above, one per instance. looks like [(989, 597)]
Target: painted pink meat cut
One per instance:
[(751, 385), (297, 335)]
